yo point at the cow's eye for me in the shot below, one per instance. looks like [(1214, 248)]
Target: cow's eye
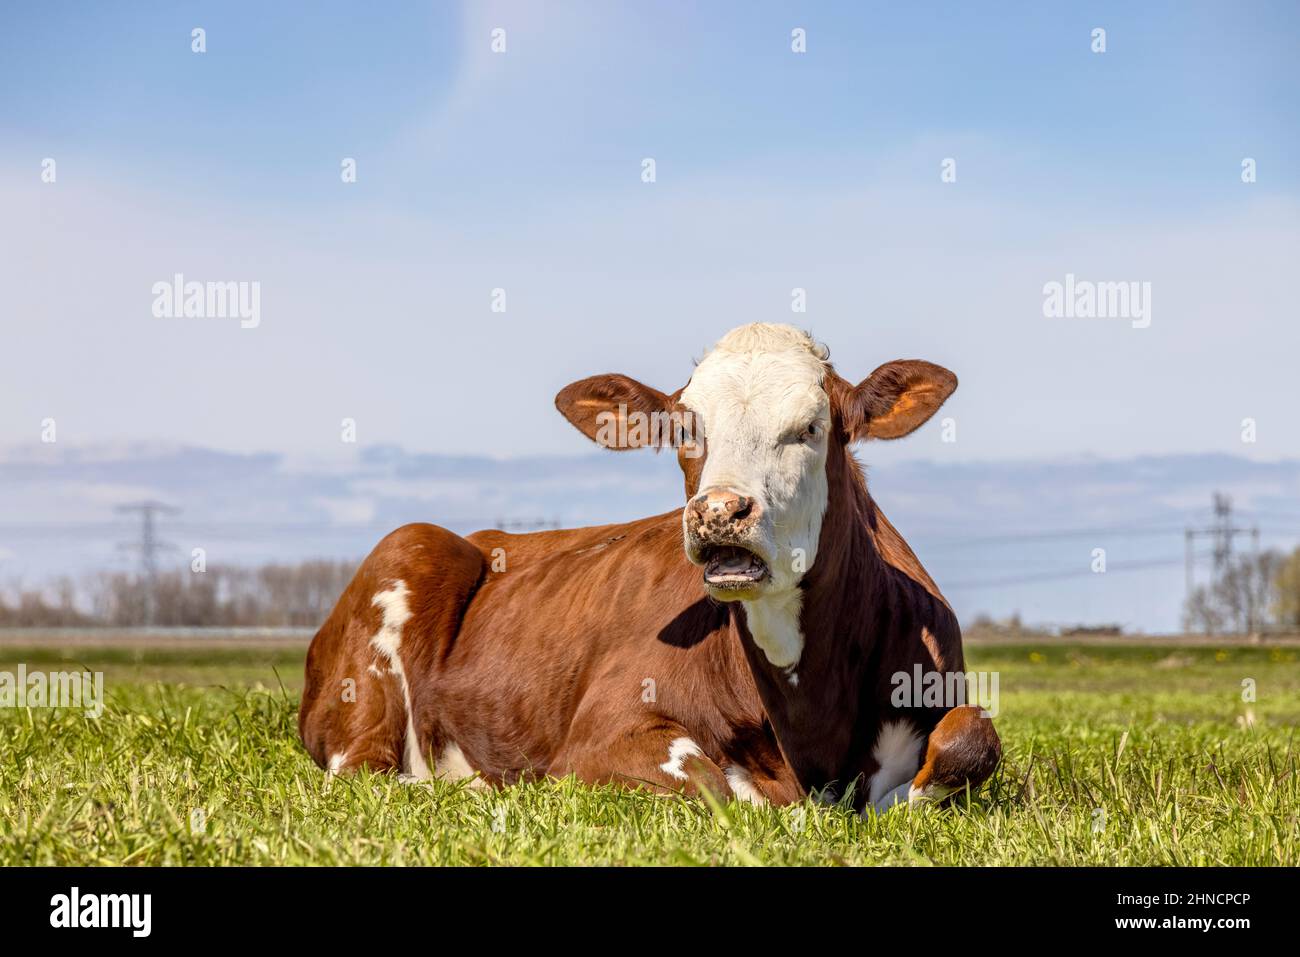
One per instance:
[(810, 432)]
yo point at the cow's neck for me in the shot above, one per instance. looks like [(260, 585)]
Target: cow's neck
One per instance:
[(816, 654)]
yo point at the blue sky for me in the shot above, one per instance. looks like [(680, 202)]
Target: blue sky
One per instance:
[(522, 171)]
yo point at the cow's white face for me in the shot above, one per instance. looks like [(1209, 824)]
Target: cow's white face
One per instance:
[(763, 411), (761, 417)]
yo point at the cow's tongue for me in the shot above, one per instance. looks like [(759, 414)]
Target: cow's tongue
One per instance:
[(733, 563)]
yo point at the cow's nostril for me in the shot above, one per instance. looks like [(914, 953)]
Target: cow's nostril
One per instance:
[(721, 507)]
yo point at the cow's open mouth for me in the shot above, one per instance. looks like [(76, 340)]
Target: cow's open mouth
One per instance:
[(729, 566)]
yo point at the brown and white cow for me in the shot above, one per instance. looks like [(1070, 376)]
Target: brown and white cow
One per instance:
[(745, 643)]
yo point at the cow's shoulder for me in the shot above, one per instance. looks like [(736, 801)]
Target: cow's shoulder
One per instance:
[(932, 620)]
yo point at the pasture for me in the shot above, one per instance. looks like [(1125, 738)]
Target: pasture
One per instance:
[(1127, 754)]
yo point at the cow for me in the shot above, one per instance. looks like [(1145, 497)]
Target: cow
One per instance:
[(749, 643)]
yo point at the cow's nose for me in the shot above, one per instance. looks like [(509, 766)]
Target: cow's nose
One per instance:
[(722, 506)]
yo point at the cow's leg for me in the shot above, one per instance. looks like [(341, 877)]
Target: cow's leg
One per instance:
[(370, 666), (963, 749), (660, 755)]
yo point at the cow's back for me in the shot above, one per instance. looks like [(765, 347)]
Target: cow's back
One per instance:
[(575, 632)]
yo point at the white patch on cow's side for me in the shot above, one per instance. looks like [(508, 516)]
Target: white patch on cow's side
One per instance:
[(742, 785), (452, 765), (773, 622), (755, 393), (396, 612), (898, 752), (678, 751), (388, 642), (415, 763)]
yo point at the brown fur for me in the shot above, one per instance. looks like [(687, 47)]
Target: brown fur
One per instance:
[(588, 651)]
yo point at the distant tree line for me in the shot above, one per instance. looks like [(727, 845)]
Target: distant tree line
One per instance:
[(1253, 593), (231, 597)]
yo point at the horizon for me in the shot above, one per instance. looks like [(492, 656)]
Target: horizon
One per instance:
[(999, 538)]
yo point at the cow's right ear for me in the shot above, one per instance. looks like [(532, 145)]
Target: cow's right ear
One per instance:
[(616, 412)]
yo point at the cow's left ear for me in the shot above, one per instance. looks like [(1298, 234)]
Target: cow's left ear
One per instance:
[(616, 412), (897, 399)]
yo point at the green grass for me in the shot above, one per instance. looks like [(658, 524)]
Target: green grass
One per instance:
[(1128, 756)]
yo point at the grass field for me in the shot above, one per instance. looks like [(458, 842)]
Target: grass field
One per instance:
[(1113, 755)]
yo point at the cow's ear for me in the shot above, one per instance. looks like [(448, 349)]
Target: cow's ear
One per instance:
[(616, 412), (897, 399)]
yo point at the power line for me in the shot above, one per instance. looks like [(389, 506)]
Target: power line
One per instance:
[(236, 526), (1021, 537), (148, 546), (1222, 533), (1122, 566)]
